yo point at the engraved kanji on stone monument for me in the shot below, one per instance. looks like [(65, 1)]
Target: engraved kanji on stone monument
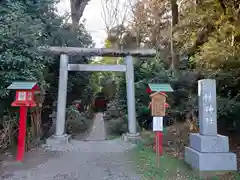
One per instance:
[(207, 107)]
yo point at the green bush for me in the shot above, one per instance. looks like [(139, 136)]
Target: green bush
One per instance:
[(228, 114), (117, 126), (78, 122)]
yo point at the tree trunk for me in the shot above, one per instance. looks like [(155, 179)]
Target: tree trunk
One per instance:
[(175, 58), (202, 37), (77, 8)]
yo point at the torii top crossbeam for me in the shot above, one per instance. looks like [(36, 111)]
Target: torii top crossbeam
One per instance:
[(106, 52)]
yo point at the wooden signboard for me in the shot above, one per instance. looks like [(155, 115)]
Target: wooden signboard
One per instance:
[(157, 104)]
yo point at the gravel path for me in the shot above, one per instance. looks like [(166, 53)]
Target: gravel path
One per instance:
[(100, 160), (98, 131), (78, 160)]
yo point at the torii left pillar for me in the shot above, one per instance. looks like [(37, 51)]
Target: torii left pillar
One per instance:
[(132, 135), (60, 136)]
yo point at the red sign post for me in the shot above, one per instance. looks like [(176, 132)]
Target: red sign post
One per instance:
[(158, 107), (158, 103), (24, 99), (158, 140)]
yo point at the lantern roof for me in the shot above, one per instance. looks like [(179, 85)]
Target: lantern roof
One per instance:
[(158, 93), (163, 87), (24, 85)]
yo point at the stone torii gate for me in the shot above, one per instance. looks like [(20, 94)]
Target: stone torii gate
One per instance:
[(60, 136)]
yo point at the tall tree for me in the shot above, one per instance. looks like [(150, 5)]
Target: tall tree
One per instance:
[(77, 8), (174, 56)]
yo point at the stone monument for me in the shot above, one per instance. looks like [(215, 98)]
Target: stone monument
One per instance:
[(209, 151)]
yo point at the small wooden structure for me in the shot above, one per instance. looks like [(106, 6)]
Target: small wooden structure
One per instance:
[(158, 98), (158, 104), (24, 93)]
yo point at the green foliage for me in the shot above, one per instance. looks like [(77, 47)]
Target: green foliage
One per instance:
[(78, 122), (117, 126), (209, 35), (19, 61), (105, 82), (181, 101), (26, 25)]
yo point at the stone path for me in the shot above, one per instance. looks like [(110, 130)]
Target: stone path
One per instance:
[(98, 131), (78, 160)]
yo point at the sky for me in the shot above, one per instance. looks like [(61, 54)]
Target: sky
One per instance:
[(93, 16)]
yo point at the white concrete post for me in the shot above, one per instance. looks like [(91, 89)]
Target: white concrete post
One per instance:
[(62, 96), (132, 125)]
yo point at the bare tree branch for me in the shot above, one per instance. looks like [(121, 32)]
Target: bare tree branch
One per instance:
[(114, 13)]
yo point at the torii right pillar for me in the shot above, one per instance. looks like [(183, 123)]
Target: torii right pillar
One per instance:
[(209, 151)]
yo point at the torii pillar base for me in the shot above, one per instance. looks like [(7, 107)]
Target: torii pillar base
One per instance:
[(53, 140), (132, 138)]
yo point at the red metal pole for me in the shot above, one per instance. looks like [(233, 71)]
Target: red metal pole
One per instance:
[(157, 151), (160, 139), (158, 142), (22, 133)]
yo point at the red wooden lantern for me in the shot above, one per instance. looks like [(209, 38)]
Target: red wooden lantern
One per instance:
[(24, 93), (24, 99)]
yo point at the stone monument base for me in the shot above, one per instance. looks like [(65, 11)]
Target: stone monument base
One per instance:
[(217, 161), (132, 138), (206, 144), (64, 139)]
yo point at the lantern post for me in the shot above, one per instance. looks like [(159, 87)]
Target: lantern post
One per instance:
[(24, 99)]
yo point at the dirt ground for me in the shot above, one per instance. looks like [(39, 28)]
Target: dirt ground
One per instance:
[(32, 159), (78, 160)]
